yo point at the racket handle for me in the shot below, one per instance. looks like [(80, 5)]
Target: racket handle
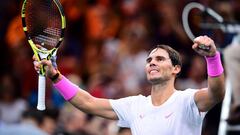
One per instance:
[(41, 92), (204, 47)]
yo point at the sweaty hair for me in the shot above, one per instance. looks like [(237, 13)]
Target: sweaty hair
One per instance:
[(173, 54)]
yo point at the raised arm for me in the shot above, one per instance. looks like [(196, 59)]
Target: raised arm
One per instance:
[(75, 95), (206, 98)]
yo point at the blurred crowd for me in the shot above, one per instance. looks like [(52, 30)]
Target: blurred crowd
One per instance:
[(104, 50)]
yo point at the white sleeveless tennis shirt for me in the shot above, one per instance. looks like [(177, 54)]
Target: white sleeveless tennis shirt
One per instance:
[(179, 115)]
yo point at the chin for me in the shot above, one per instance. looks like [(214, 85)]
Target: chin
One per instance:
[(157, 80)]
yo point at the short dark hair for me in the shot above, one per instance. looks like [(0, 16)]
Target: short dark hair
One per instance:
[(173, 54)]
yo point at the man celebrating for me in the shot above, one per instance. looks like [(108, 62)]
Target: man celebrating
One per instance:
[(166, 111)]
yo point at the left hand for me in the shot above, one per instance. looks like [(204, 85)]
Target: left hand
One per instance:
[(207, 43)]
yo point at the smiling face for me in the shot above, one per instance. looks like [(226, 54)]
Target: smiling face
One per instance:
[(159, 67)]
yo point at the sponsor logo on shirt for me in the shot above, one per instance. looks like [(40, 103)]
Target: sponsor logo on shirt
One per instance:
[(168, 115)]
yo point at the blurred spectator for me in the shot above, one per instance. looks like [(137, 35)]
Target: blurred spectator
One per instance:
[(74, 9), (29, 125), (97, 126), (225, 9), (15, 35), (101, 21), (91, 58), (20, 56), (232, 63), (49, 122), (96, 85), (8, 9), (11, 106), (71, 121), (130, 8), (131, 54), (168, 29), (196, 76)]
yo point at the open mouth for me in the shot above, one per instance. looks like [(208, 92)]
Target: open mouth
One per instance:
[(152, 71)]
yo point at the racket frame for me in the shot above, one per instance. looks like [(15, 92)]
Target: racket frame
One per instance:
[(202, 8)]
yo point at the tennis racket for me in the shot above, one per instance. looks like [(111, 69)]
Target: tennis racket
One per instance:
[(44, 23), (203, 15)]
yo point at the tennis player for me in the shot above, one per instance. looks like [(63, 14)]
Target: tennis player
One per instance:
[(166, 111)]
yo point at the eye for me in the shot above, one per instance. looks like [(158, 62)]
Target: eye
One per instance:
[(160, 58), (148, 60)]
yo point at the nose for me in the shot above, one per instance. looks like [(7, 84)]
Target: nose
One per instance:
[(152, 64)]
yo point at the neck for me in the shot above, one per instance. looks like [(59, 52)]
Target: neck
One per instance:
[(161, 92)]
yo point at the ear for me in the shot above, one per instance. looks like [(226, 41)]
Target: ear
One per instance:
[(176, 69)]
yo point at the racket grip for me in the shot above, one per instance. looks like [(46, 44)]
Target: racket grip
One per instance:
[(41, 92), (204, 47)]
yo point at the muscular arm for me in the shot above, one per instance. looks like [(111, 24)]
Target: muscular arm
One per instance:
[(81, 99), (96, 106), (206, 98), (89, 104)]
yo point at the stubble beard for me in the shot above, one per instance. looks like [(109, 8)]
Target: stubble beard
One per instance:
[(159, 80)]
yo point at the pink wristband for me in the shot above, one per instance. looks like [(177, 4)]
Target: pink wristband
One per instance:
[(214, 65), (66, 88)]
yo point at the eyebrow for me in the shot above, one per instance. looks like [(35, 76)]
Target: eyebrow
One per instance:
[(157, 57), (148, 59)]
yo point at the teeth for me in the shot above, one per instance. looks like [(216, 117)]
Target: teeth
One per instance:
[(153, 71)]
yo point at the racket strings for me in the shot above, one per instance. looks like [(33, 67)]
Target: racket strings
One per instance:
[(43, 21), (53, 31), (49, 40), (45, 40)]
